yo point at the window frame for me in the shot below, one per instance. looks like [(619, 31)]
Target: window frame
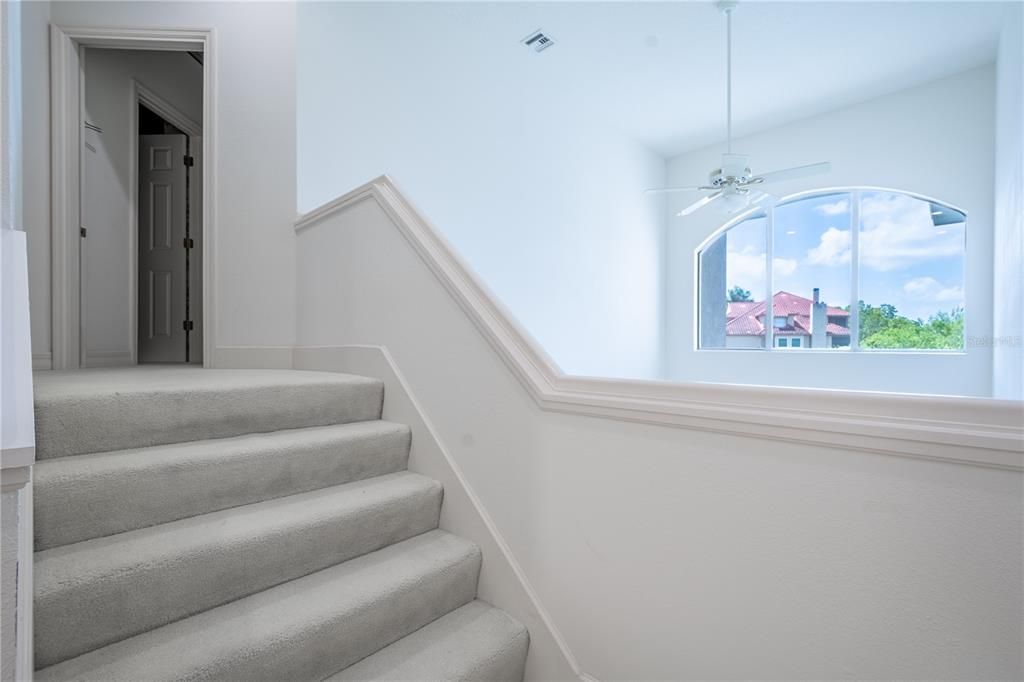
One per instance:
[(854, 192)]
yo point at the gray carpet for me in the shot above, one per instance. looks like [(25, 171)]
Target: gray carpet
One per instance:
[(246, 525)]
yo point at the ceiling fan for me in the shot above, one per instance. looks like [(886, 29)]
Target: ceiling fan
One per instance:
[(733, 187)]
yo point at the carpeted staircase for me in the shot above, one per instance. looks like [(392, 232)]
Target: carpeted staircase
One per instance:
[(246, 525)]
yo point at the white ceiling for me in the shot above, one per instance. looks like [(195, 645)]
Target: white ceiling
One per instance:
[(656, 70)]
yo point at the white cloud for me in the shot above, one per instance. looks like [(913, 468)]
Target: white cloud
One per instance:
[(930, 289), (898, 232), (746, 269), (835, 208), (834, 248), (783, 267)]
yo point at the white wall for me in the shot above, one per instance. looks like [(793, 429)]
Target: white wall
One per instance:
[(541, 199), (35, 181), (17, 429), (665, 553), (255, 113), (10, 116), (10, 27), (935, 140), (106, 208), (1008, 330)]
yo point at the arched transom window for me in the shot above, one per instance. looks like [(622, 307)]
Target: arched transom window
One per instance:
[(853, 269)]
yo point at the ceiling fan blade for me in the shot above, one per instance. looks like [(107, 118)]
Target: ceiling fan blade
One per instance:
[(699, 204), (667, 190), (791, 173)]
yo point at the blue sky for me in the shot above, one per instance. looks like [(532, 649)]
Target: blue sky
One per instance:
[(905, 259)]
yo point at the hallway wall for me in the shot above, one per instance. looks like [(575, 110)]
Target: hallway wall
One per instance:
[(667, 553), (35, 167), (1008, 270), (255, 113), (887, 142), (543, 197)]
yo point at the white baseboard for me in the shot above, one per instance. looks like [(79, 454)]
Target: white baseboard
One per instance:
[(502, 580), (225, 357), (252, 357), (107, 358)]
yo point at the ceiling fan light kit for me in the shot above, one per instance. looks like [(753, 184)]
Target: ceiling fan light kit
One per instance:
[(732, 184)]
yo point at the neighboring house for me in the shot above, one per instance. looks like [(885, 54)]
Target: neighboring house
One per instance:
[(798, 323)]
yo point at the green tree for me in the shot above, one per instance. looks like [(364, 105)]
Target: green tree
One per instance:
[(874, 320), (738, 294), (886, 329)]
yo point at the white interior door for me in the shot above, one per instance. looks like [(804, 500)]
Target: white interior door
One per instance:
[(162, 206)]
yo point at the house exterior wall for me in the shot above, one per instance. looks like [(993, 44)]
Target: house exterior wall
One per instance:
[(805, 341), (737, 341)]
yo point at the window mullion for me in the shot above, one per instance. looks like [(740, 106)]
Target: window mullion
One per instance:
[(854, 270)]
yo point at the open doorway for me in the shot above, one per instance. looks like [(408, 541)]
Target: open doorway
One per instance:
[(132, 204), (140, 207)]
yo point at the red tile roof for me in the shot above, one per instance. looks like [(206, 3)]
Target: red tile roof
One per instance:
[(736, 308), (746, 318)]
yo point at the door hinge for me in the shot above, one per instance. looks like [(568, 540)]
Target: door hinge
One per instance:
[(189, 243), (187, 325), (189, 161), (81, 232)]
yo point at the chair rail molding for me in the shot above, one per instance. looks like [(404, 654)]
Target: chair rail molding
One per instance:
[(974, 431)]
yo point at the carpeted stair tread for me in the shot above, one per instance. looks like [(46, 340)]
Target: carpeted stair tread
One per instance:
[(87, 411), (90, 496), (476, 642), (97, 592), (305, 629)]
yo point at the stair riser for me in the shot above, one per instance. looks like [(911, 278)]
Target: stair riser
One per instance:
[(77, 424), (303, 630), (491, 647), (91, 496), (94, 594)]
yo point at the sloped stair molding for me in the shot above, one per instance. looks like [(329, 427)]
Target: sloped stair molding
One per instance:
[(972, 431), (503, 582)]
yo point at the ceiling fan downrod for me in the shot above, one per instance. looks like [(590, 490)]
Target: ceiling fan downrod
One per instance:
[(732, 184), (726, 7)]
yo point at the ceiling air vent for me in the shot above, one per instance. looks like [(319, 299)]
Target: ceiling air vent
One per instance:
[(538, 41)]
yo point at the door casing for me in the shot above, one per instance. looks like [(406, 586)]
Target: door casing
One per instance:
[(66, 90)]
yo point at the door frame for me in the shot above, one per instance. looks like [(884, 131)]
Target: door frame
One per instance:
[(67, 107), (157, 104)]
